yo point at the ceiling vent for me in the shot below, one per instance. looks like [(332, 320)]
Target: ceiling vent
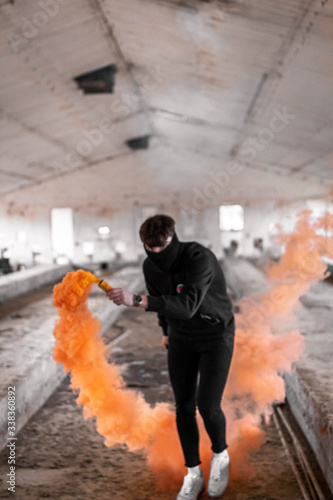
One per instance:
[(99, 81), (139, 142)]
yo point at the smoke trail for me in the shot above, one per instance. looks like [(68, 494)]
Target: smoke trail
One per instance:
[(267, 340), (267, 344), (122, 415)]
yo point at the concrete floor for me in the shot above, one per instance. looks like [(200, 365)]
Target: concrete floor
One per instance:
[(61, 456), (95, 471)]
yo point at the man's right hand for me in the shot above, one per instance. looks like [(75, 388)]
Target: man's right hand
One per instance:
[(165, 341)]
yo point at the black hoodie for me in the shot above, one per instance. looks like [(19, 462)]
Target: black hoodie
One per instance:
[(187, 289)]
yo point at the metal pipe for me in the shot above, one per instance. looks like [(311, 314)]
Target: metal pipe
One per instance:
[(291, 460), (301, 455)]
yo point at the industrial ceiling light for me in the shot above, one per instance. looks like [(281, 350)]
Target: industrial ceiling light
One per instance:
[(138, 142), (99, 81), (103, 230)]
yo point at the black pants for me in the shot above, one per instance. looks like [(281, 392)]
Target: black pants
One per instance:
[(188, 359)]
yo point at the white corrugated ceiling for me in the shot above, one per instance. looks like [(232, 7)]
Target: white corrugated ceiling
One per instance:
[(208, 80)]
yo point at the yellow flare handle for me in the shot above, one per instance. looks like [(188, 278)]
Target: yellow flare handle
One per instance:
[(104, 286)]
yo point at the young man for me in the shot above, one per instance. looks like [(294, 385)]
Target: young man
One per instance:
[(187, 289)]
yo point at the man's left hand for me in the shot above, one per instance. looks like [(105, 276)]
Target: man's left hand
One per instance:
[(121, 297)]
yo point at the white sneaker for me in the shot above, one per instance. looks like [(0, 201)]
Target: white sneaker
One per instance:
[(192, 487), (219, 475)]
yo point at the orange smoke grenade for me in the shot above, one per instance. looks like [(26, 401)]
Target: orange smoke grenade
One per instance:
[(104, 286)]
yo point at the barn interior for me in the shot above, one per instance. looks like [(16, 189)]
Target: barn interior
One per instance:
[(216, 112)]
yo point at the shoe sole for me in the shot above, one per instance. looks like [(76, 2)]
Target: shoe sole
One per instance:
[(218, 496), (201, 492)]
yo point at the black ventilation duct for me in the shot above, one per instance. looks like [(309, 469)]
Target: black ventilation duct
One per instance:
[(139, 142), (99, 81)]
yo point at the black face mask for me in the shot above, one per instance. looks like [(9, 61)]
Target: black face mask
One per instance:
[(166, 260)]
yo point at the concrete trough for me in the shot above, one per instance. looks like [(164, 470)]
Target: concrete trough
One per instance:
[(315, 417), (14, 284), (29, 366)]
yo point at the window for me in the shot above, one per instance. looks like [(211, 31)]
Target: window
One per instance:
[(138, 142), (62, 233), (99, 81), (231, 218)]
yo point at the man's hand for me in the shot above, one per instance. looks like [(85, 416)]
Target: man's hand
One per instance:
[(120, 296), (165, 341)]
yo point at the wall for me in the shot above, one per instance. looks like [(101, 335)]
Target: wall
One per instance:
[(260, 222), (204, 227), (37, 232), (37, 235), (122, 231), (124, 227)]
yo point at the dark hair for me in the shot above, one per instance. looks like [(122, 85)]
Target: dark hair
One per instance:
[(155, 230)]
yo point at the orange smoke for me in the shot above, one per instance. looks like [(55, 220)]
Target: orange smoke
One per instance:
[(267, 344), (122, 415), (267, 341)]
